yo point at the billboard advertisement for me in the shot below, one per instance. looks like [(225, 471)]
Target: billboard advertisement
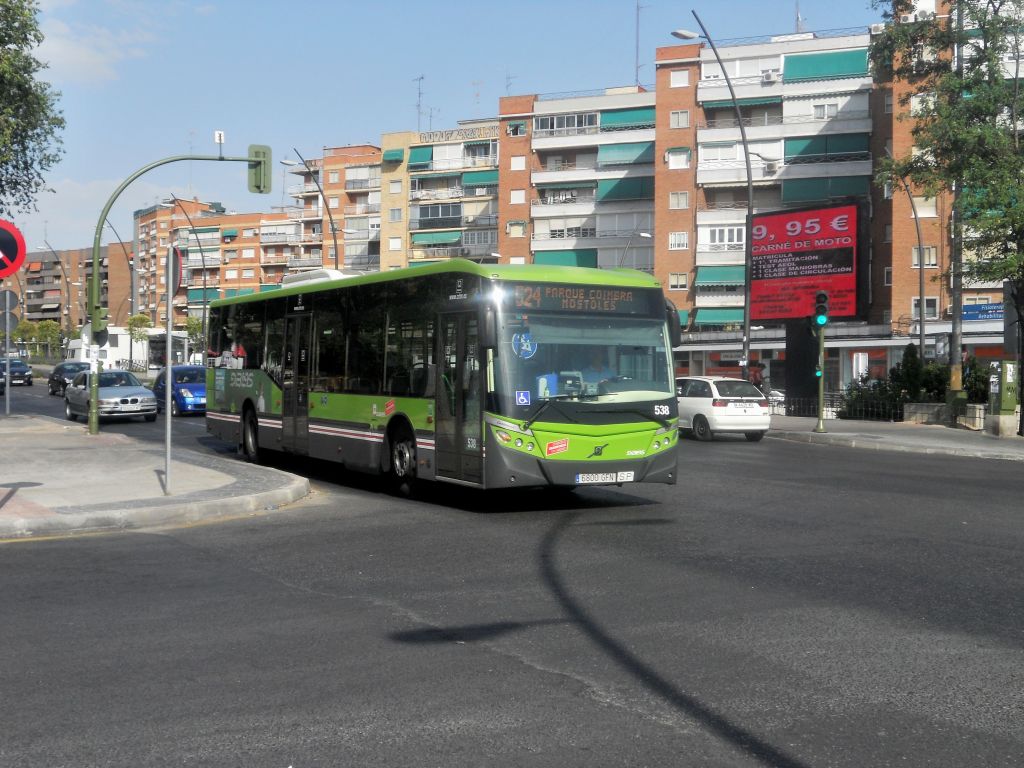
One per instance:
[(796, 253)]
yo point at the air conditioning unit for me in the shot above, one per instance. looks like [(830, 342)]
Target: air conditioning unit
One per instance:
[(771, 167), (925, 15), (908, 18), (877, 29), (465, 251), (769, 77)]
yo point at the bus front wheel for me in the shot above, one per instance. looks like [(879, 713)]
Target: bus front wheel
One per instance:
[(402, 471), (250, 437)]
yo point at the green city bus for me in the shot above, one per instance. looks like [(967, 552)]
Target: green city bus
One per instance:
[(457, 372)]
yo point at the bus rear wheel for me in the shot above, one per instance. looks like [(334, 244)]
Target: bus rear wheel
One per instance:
[(250, 437), (402, 469)]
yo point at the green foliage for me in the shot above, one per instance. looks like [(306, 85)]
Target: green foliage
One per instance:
[(194, 329), (975, 381), (30, 122), (137, 325), (48, 332), (909, 374), (26, 330), (909, 382)]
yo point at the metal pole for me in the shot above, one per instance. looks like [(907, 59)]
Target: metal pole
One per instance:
[(323, 199), (748, 235), (820, 426), (95, 310), (920, 261), (131, 288), (7, 356), (168, 371)]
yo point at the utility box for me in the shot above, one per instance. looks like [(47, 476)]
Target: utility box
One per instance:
[(1003, 388)]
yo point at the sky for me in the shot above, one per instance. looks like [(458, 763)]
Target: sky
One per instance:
[(140, 81)]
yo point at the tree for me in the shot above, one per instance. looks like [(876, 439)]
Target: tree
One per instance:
[(30, 122), (967, 125), (48, 333), (137, 325), (25, 331), (194, 329)]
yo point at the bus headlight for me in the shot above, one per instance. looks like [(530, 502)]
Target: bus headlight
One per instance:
[(519, 442)]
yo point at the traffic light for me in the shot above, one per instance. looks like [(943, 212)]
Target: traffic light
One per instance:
[(259, 168), (99, 326), (817, 371), (820, 309)]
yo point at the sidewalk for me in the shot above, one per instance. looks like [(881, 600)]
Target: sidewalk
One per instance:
[(57, 479), (899, 436)]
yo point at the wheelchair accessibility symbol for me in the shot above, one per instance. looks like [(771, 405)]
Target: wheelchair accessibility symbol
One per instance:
[(522, 397), (523, 346)]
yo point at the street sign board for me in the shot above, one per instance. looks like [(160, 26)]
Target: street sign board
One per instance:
[(12, 249), (8, 301)]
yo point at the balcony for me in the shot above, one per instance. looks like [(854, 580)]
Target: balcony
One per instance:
[(458, 164), (448, 222), (309, 213), (311, 237), (361, 209), (734, 172), (272, 238), (209, 261), (779, 126), (444, 193), (276, 259), (299, 190), (300, 262), (373, 183), (705, 300)]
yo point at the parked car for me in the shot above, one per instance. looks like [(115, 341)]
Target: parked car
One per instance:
[(710, 404), (3, 381), (120, 394), (21, 372), (188, 390), (62, 375)]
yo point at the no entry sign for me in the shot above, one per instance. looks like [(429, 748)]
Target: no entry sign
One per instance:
[(12, 249)]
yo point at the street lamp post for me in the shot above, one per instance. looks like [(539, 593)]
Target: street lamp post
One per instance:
[(323, 198), (131, 292), (202, 255), (625, 250), (684, 34), (920, 260)]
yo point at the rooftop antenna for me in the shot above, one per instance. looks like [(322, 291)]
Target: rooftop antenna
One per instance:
[(799, 19), (419, 100), (637, 48), (431, 111), (509, 77), (476, 90)]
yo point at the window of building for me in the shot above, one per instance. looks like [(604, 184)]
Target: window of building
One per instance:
[(888, 233), (249, 232), (395, 187), (394, 214), (163, 225), (566, 125), (679, 78), (679, 118), (394, 243), (726, 235), (677, 200), (332, 177), (887, 190), (248, 253), (516, 229), (931, 308), (825, 111), (678, 158), (230, 274), (248, 273), (931, 256), (972, 300), (678, 281), (888, 102), (712, 152), (925, 207), (517, 163), (332, 202), (678, 241), (887, 276), (517, 196), (516, 128)]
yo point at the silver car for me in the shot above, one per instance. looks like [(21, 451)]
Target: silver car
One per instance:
[(120, 394)]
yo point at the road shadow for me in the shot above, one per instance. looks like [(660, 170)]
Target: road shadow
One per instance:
[(705, 715), (13, 488), (468, 633)]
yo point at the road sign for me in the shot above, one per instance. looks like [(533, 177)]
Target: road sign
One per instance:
[(8, 301), (12, 249)]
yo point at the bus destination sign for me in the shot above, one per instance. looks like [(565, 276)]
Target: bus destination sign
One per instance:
[(551, 297), (795, 254)]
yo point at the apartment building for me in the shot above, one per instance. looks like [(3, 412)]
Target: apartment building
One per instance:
[(54, 285)]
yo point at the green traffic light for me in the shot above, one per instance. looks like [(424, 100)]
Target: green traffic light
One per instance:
[(821, 319), (817, 373)]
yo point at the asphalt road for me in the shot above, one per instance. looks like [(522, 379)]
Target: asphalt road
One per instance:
[(785, 605)]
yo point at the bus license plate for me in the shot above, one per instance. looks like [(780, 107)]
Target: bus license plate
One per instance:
[(604, 477)]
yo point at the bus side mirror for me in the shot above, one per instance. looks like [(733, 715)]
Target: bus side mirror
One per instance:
[(489, 333), (675, 332)]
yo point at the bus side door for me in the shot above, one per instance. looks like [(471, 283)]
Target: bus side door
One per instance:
[(459, 433), (295, 385)]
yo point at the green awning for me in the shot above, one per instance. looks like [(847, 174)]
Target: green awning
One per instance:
[(732, 275), (580, 257), (421, 155), (625, 189), (480, 178), (483, 143), (625, 154), (270, 287), (568, 185), (435, 175), (753, 102), (719, 316), (684, 317), (229, 233), (195, 295), (808, 146), (628, 118), (436, 238), (393, 155), (229, 292), (810, 190), (829, 65), (422, 262)]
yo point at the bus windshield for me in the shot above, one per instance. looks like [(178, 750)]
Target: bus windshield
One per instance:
[(586, 358)]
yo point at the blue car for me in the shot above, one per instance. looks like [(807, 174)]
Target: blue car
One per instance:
[(188, 392)]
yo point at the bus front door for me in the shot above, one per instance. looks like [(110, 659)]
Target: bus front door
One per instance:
[(295, 385), (459, 434)]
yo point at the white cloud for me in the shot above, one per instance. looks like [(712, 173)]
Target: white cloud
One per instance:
[(87, 53)]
